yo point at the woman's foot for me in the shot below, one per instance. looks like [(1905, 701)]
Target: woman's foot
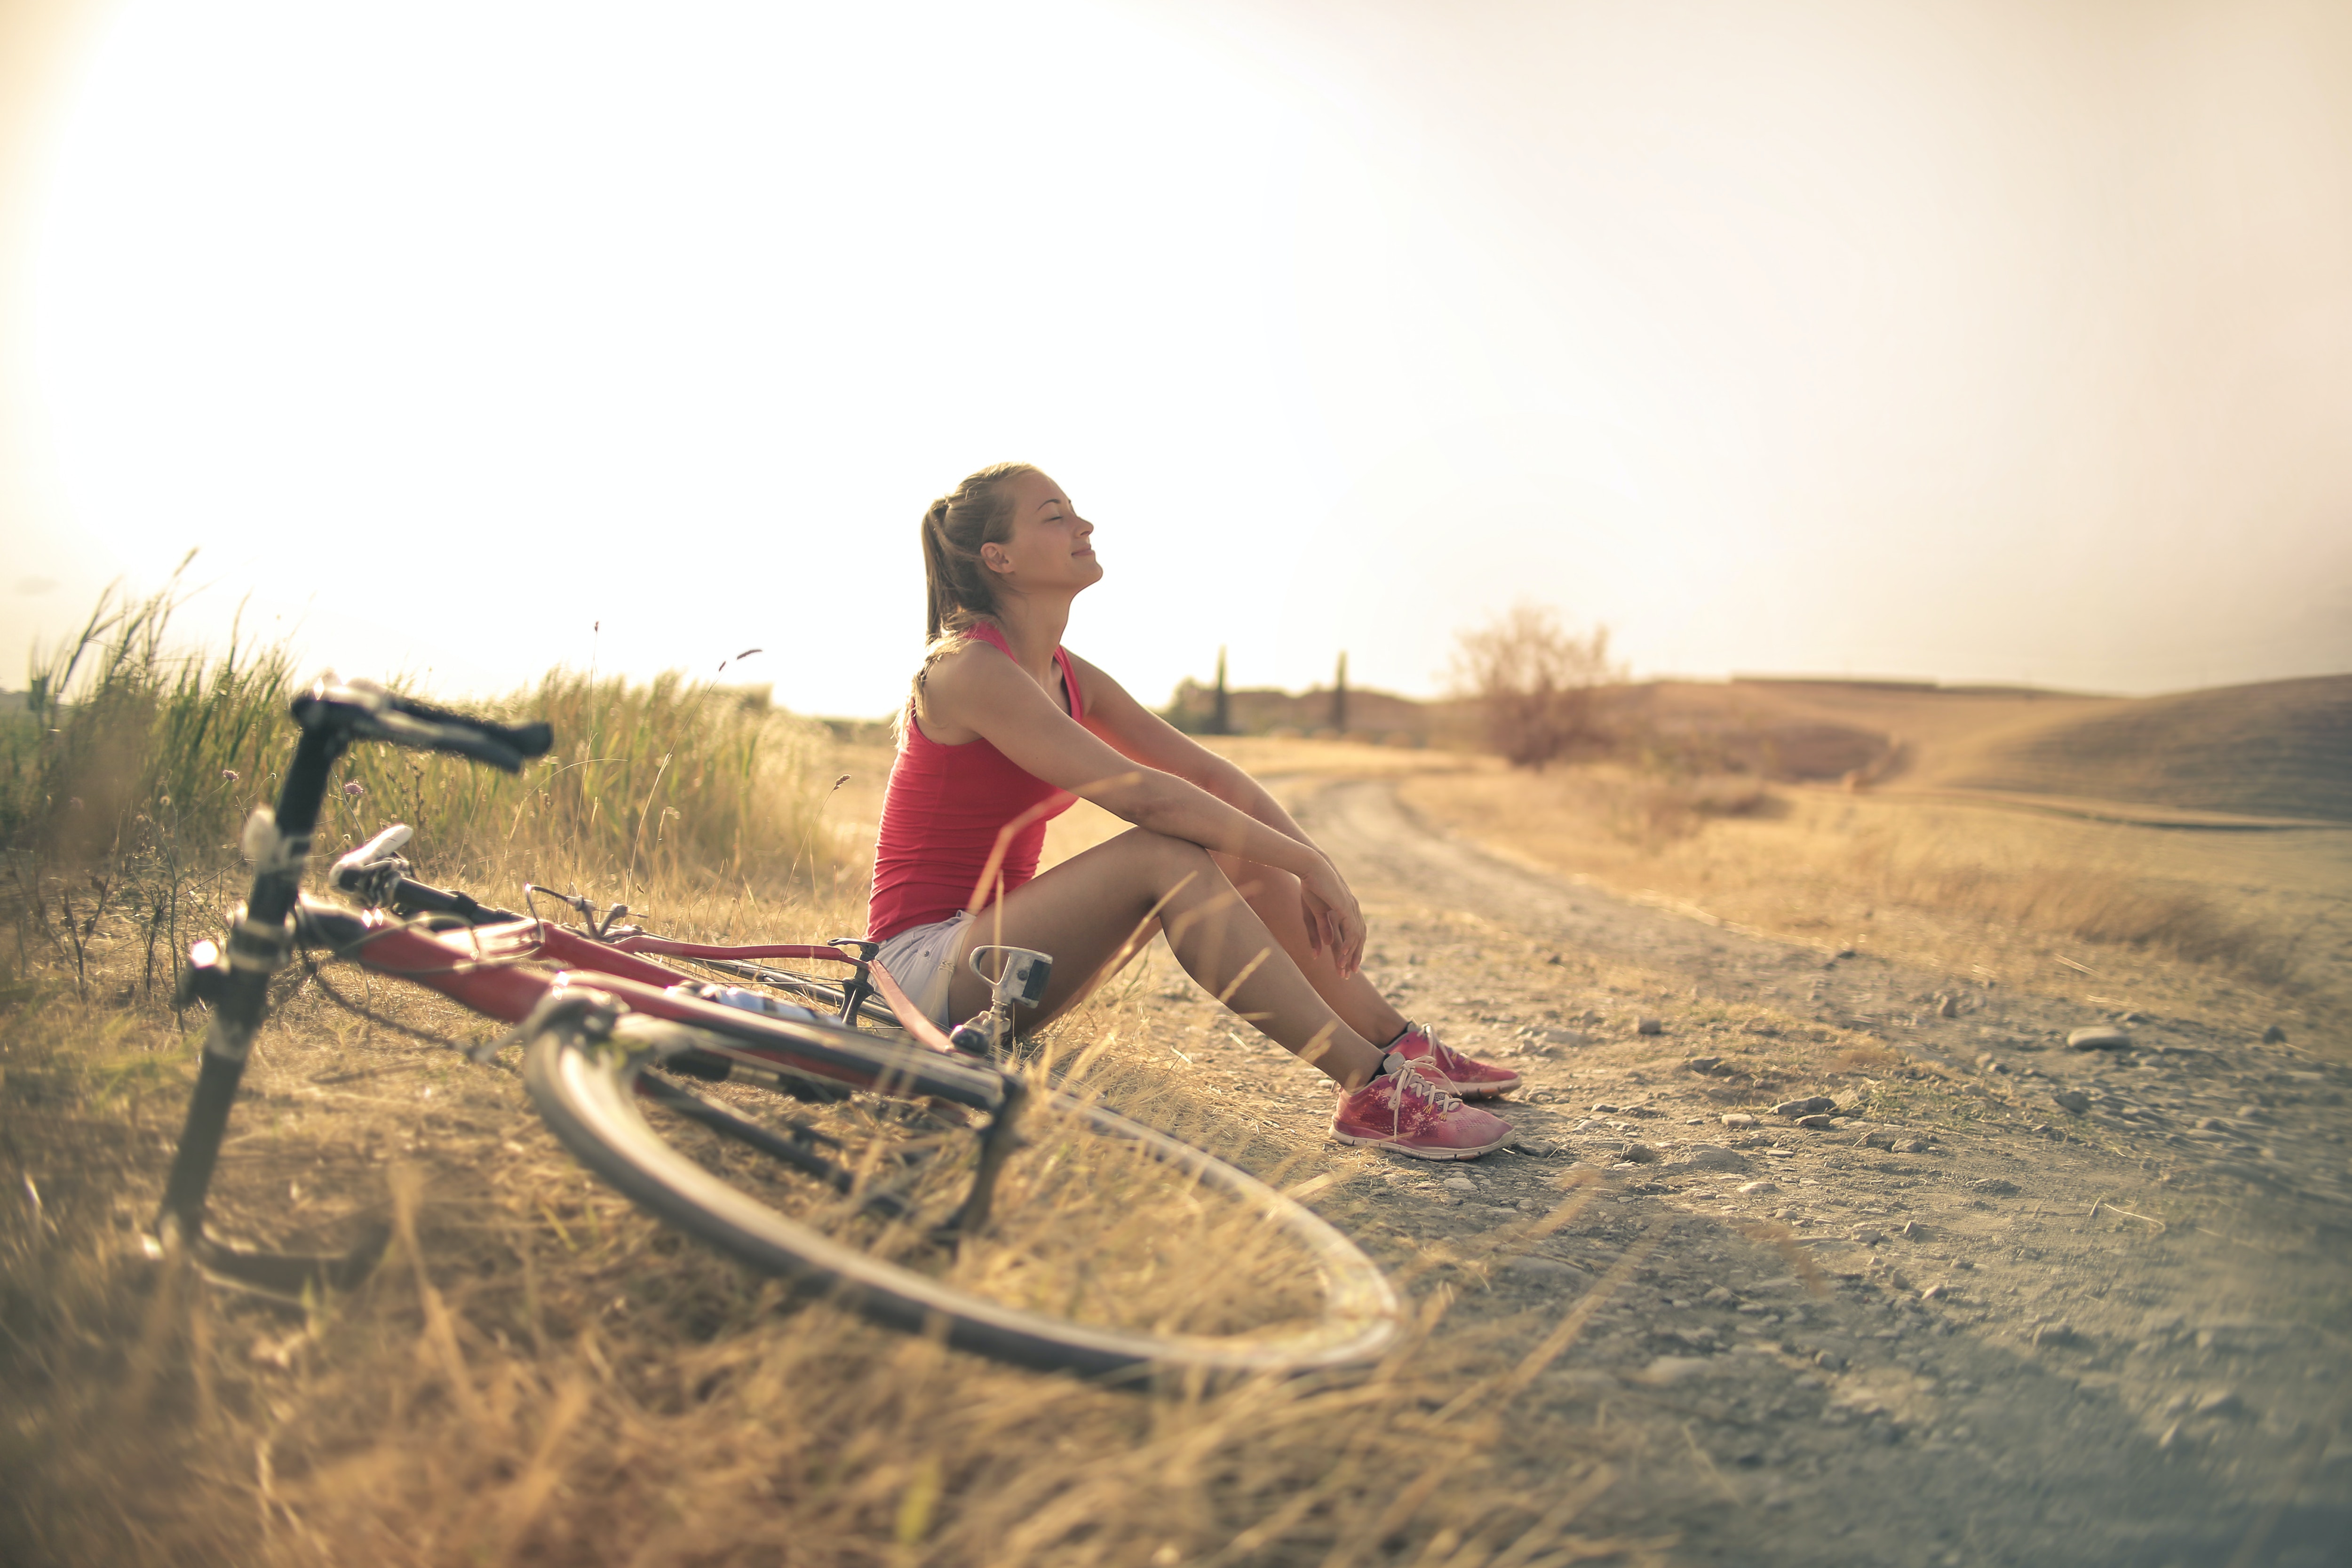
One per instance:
[(1470, 1080), (1406, 1111)]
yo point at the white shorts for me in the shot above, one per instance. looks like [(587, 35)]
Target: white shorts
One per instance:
[(921, 958)]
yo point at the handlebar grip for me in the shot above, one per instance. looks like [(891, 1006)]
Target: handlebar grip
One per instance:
[(365, 710), (533, 739)]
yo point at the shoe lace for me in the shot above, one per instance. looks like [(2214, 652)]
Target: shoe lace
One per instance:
[(1408, 1082)]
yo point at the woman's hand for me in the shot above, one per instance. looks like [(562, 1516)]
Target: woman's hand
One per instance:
[(1334, 924)]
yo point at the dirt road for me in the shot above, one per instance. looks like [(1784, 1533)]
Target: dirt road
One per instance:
[(1997, 1301)]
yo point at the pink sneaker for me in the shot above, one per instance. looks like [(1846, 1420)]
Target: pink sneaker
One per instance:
[(1406, 1110), (1470, 1080)]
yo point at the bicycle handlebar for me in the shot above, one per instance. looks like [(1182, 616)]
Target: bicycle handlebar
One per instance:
[(363, 710)]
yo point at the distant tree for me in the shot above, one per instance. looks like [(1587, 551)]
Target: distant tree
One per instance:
[(1340, 696), (1221, 722), (1533, 680)]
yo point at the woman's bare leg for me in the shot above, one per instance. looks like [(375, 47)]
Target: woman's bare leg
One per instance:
[(1274, 895), (1092, 911)]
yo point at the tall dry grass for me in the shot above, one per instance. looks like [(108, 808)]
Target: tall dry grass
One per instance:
[(123, 783), (537, 1372)]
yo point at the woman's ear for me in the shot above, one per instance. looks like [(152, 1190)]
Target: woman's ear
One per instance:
[(995, 558)]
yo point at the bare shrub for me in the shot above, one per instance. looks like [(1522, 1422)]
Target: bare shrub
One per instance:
[(1533, 680)]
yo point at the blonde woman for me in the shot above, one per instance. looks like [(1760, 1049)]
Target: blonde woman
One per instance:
[(1004, 727)]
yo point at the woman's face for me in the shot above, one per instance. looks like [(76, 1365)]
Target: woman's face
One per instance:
[(1051, 546)]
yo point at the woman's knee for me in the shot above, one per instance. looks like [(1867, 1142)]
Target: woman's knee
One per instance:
[(1169, 860)]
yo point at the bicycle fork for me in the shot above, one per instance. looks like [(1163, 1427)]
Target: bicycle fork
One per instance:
[(234, 987)]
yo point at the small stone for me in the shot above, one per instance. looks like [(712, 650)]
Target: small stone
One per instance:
[(1737, 1119), (1646, 1024), (2273, 1035), (1603, 1108), (1868, 1236), (1816, 1122), (2221, 1402), (1704, 1064), (2099, 1037), (1830, 1359), (1914, 1146), (1912, 1230), (1876, 1141), (1537, 1148), (1673, 1369), (1459, 1184), (1991, 1063), (1759, 1189), (2073, 1100), (1948, 1006), (1717, 1296), (1541, 1270), (2055, 1334), (1842, 953), (1709, 1157), (1994, 1187), (1934, 1293), (1806, 1107), (1639, 1154)]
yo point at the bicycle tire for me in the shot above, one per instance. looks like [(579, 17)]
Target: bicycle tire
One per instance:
[(587, 1093)]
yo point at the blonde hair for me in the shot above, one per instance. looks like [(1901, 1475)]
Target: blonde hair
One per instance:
[(958, 588), (959, 593)]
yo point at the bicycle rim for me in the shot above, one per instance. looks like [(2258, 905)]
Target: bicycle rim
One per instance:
[(1204, 1267)]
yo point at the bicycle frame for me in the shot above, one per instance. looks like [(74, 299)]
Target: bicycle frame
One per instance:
[(511, 969), (497, 971)]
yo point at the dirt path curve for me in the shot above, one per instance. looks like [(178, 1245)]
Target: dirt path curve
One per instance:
[(2005, 1303)]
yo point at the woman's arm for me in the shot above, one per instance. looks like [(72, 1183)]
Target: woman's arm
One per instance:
[(979, 690), (1136, 732)]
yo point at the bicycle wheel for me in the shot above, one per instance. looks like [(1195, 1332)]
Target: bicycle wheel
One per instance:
[(1101, 1246)]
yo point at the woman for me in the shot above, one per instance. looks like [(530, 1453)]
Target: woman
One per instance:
[(1004, 727)]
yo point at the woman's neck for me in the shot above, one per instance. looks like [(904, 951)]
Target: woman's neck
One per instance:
[(1032, 624)]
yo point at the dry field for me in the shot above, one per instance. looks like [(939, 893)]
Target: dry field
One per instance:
[(2176, 849), (536, 1373), (1954, 1323), (2257, 923)]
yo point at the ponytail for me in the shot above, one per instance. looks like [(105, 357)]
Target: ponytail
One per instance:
[(958, 591)]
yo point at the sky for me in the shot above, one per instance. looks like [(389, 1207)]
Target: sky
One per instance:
[(1958, 340)]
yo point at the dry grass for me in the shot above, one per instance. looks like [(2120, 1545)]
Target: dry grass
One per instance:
[(1957, 886), (537, 1372)]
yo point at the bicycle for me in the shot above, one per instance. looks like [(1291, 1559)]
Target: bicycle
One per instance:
[(890, 1188)]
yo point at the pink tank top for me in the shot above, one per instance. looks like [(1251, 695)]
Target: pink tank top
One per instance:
[(942, 814)]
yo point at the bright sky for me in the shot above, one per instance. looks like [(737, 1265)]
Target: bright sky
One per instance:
[(1969, 341)]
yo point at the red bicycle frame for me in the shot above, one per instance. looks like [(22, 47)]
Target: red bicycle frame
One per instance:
[(507, 970)]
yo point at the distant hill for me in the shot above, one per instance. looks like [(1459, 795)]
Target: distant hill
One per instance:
[(2279, 748)]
